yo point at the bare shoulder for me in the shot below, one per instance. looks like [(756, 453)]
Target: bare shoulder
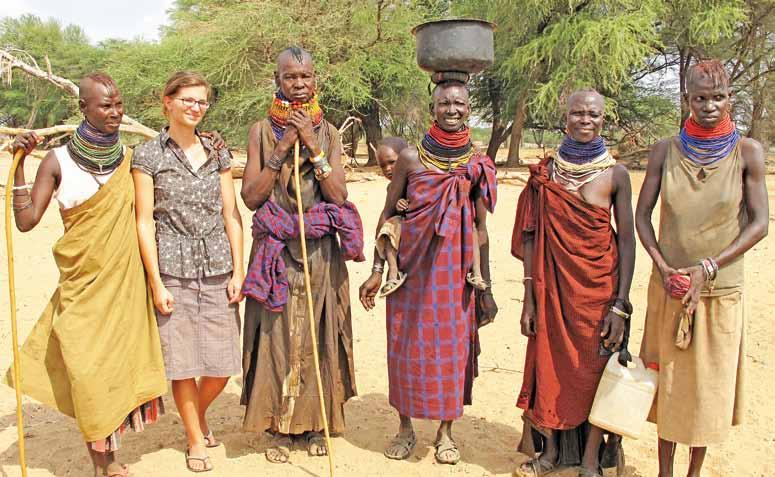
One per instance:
[(50, 165), (409, 159), (659, 150), (752, 153)]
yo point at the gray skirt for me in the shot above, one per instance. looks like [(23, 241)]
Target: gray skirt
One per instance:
[(202, 335)]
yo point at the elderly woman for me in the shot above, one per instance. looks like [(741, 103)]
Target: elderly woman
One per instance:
[(190, 235)]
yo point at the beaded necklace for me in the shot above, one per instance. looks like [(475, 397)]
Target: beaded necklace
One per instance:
[(281, 109), (446, 150), (706, 146), (579, 163), (95, 151)]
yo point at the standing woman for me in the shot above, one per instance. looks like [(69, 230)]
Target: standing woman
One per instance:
[(190, 235)]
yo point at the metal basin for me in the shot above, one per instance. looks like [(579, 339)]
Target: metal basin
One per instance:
[(455, 45)]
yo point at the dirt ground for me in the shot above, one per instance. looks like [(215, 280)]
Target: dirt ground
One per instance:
[(487, 435)]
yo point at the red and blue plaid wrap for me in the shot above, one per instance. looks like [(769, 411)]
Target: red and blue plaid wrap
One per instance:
[(266, 280), (430, 319)]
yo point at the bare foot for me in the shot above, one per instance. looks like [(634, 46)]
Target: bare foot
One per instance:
[(117, 470), (280, 450), (476, 281), (316, 444)]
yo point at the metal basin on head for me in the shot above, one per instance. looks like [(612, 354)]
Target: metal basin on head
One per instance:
[(464, 45)]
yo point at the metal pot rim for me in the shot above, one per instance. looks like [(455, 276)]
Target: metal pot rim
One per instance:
[(455, 20)]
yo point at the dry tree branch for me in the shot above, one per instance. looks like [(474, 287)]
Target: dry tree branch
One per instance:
[(69, 128), (9, 61)]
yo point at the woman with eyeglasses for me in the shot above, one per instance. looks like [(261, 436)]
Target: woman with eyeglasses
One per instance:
[(190, 235)]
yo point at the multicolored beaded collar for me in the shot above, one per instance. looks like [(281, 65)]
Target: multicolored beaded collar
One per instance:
[(579, 163), (95, 151), (281, 109), (446, 150), (706, 146)]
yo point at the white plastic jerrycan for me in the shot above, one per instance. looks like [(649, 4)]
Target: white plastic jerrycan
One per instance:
[(624, 397)]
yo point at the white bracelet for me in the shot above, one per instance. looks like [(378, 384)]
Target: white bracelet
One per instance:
[(23, 187)]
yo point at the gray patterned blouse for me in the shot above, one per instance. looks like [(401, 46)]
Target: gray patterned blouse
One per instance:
[(188, 210)]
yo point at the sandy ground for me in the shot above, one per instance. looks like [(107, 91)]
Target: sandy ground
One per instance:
[(488, 434)]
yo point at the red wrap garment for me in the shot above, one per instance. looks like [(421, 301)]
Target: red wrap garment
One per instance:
[(575, 277)]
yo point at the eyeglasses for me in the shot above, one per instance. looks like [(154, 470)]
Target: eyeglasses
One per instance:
[(190, 102)]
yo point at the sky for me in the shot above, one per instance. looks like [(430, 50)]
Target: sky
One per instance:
[(100, 19)]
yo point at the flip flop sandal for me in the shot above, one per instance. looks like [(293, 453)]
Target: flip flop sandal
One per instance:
[(124, 472), (392, 285), (404, 444), (207, 466), (584, 472), (446, 446), (477, 282), (210, 440), (536, 467)]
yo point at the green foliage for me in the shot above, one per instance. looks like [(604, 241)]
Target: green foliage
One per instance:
[(33, 102)]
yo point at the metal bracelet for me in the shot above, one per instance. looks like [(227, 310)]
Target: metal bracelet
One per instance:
[(26, 205), (620, 313), (275, 162), (317, 159), (378, 268), (322, 172), (22, 187)]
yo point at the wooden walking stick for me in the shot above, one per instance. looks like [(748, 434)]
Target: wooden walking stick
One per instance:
[(310, 307), (17, 381)]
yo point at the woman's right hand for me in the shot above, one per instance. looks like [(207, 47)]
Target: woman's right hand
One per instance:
[(369, 289), (25, 141), (528, 321), (667, 271), (163, 300)]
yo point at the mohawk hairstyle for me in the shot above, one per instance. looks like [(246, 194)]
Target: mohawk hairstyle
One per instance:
[(297, 52), (395, 143), (101, 78), (712, 69)]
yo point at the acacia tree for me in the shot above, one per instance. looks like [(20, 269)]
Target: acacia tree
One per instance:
[(33, 103), (546, 48)]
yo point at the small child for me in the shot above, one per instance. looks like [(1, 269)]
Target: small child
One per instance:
[(389, 236)]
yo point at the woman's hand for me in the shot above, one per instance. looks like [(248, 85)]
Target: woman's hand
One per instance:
[(528, 321), (697, 281), (369, 289), (303, 124), (234, 288), (163, 300), (25, 141), (613, 331)]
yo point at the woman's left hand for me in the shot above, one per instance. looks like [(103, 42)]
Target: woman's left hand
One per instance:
[(697, 281), (613, 331), (234, 288)]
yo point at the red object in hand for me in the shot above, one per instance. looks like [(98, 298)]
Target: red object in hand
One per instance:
[(678, 285)]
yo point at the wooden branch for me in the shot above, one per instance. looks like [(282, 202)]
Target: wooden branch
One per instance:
[(62, 83), (69, 128)]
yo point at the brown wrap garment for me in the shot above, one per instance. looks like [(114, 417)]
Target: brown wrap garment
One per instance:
[(280, 389)]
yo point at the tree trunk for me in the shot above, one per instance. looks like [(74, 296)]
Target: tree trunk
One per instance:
[(373, 128), (516, 130), (499, 134), (683, 68)]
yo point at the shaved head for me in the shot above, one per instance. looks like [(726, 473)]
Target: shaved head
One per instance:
[(295, 53), (88, 86), (587, 95)]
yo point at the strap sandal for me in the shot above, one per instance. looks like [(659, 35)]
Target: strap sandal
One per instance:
[(477, 282), (316, 444), (392, 285), (447, 451), (279, 451), (207, 466), (536, 467), (210, 440), (401, 447), (584, 472)]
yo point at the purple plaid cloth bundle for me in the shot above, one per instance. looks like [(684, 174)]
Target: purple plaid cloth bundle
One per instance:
[(266, 280)]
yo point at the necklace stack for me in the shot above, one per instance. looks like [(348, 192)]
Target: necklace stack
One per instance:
[(95, 151), (445, 150), (579, 163), (281, 109), (706, 146)]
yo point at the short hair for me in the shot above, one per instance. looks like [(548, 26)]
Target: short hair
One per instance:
[(712, 69), (183, 79), (298, 53), (101, 78), (585, 90), (397, 144)]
